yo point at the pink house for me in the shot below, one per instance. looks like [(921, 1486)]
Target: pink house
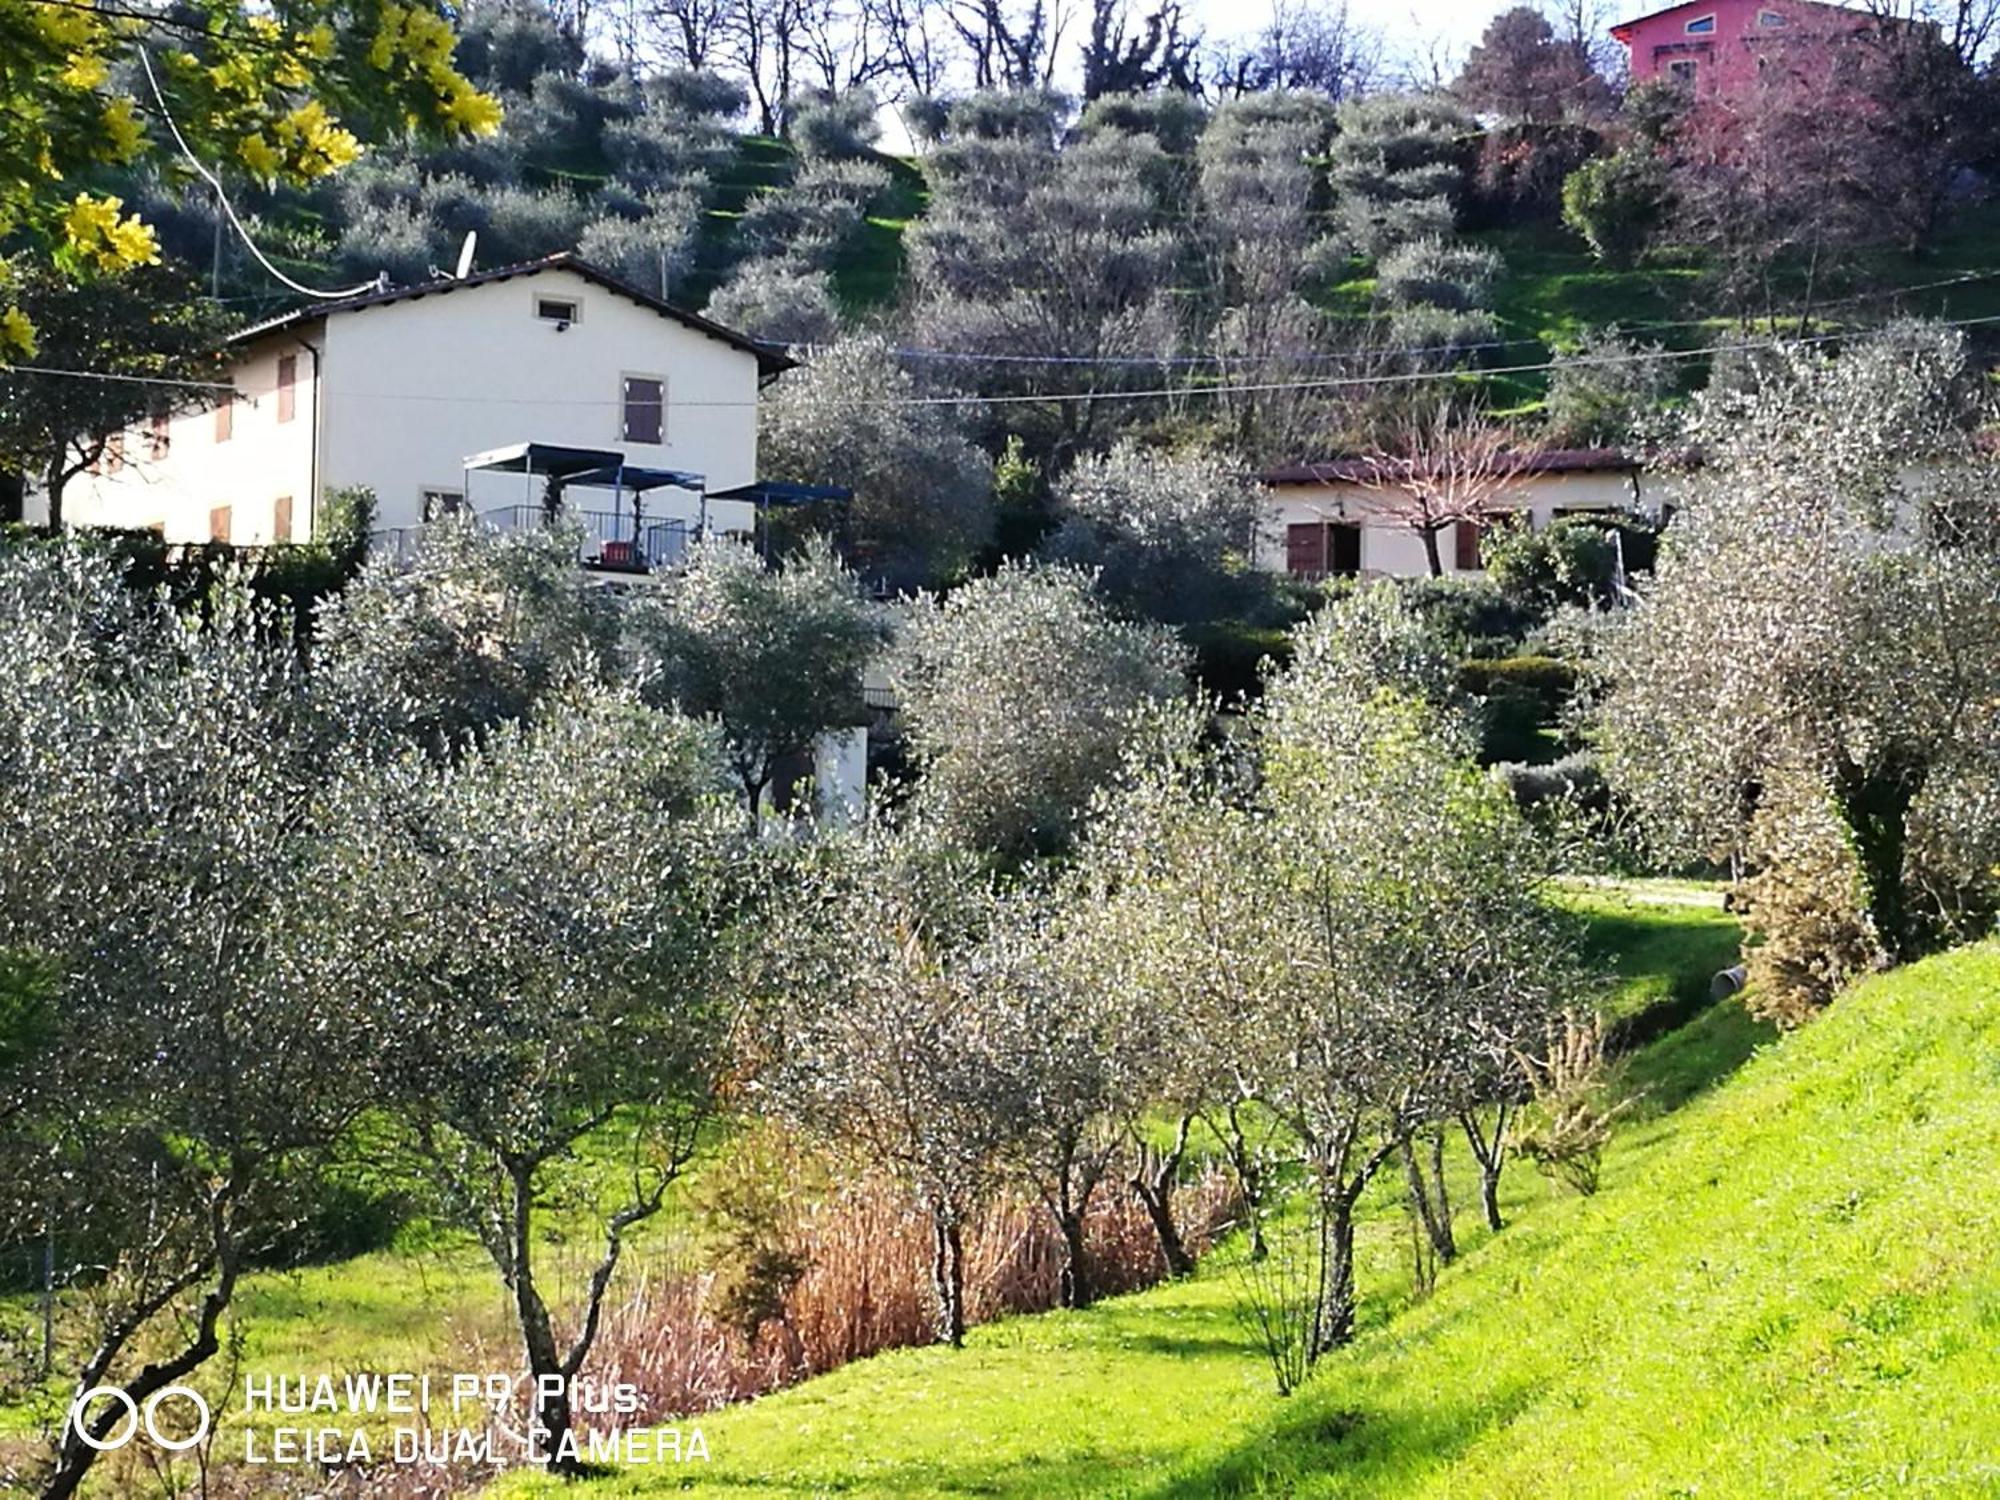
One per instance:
[(1719, 46)]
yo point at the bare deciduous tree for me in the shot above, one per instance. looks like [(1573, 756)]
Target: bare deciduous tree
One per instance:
[(1439, 471)]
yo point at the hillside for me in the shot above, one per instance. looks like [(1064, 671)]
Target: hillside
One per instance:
[(1789, 1284)]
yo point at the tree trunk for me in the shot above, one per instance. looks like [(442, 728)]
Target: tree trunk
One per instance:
[(1876, 807), (1249, 1180), (1333, 1324), (1441, 1193), (53, 484), (1491, 1154), (948, 1277), (1076, 1290), (1153, 1182), (1427, 1195), (553, 1417), (1432, 556), (74, 1457)]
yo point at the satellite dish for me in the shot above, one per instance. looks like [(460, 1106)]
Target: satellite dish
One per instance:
[(465, 255)]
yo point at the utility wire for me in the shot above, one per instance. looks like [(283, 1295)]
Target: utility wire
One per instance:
[(199, 385), (1406, 377), (146, 62), (1162, 361)]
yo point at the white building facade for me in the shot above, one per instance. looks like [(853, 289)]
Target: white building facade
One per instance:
[(394, 391), (1329, 520)]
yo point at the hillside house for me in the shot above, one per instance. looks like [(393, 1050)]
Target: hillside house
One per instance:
[(452, 395), (1720, 46), (1331, 519)]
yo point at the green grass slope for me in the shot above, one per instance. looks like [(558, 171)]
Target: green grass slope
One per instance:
[(1789, 1285)]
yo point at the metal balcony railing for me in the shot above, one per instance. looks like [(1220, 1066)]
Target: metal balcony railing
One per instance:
[(615, 541)]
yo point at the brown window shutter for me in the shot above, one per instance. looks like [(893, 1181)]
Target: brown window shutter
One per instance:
[(225, 419), (1466, 537), (645, 409), (1305, 549), (218, 524), (288, 378), (281, 519)]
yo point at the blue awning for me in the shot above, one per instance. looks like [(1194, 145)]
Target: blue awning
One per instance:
[(637, 477), (775, 492), (544, 458)]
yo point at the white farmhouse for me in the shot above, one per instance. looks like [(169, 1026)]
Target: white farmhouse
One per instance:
[(398, 390), (1327, 519)]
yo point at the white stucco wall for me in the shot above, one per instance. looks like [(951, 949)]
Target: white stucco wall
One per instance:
[(414, 387), (262, 460), (408, 390), (1388, 548)]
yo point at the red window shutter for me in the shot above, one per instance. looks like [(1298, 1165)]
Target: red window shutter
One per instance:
[(288, 379), (281, 519), (225, 419), (218, 524)]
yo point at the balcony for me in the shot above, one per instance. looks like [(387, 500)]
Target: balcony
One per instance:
[(609, 541)]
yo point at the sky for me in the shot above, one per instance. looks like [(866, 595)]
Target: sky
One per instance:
[(1410, 36), (1403, 27)]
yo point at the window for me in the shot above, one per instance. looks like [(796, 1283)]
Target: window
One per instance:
[(218, 524), (159, 436), (1343, 550), (1681, 71), (645, 409), (1770, 20), (1700, 26), (288, 379), (225, 418), (558, 309), (438, 503), (281, 519)]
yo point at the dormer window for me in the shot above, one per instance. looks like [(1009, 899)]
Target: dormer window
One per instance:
[(1770, 20), (1701, 25), (559, 310)]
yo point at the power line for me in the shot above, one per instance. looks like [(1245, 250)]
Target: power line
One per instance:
[(105, 375), (1167, 361), (1405, 377), (222, 198)]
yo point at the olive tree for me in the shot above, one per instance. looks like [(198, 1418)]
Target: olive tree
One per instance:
[(1165, 530), (1171, 897), (1015, 694), (874, 1032), (1406, 905), (1030, 251), (166, 829), (923, 494), (1826, 605), (544, 924), (477, 630), (774, 656), (1078, 1059)]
